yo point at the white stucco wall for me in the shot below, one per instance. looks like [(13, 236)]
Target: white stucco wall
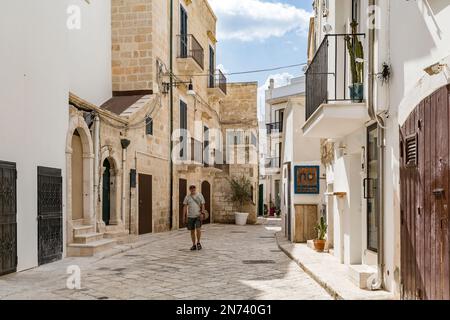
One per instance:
[(33, 103), (89, 52)]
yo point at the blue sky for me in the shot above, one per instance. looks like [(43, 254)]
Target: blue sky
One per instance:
[(260, 34)]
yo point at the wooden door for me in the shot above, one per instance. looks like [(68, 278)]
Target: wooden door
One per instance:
[(261, 200), (50, 215), (106, 186), (424, 180), (145, 204), (206, 192), (183, 32), (182, 193), (305, 223), (8, 218)]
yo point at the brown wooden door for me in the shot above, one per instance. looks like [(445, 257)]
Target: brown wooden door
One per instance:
[(145, 204), (305, 223), (424, 179), (182, 193), (8, 218), (206, 192)]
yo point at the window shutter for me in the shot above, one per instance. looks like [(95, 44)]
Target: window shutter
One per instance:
[(149, 126), (411, 151)]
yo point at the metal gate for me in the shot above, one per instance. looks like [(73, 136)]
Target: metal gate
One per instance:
[(424, 180), (8, 218), (50, 216)]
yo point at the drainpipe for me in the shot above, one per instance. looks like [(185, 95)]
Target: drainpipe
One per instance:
[(378, 282), (171, 116), (125, 143), (96, 165)]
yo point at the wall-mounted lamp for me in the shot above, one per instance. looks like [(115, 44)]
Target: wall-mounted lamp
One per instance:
[(191, 91), (190, 86)]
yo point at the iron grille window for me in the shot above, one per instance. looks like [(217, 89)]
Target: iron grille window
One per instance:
[(149, 126)]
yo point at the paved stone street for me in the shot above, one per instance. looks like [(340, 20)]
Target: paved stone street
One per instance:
[(236, 263)]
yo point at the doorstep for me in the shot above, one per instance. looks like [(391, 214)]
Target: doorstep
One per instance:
[(326, 270)]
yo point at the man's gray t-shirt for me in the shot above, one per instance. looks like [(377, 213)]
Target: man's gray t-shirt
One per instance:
[(193, 207)]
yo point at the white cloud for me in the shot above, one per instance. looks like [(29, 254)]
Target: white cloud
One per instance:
[(249, 20), (280, 79)]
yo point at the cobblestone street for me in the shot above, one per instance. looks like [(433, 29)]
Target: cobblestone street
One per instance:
[(236, 263)]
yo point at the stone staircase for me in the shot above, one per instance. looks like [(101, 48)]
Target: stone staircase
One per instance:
[(119, 235), (87, 242)]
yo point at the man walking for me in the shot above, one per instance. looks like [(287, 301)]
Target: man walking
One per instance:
[(194, 206)]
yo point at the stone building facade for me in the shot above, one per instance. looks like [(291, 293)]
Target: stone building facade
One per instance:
[(239, 127), (166, 92)]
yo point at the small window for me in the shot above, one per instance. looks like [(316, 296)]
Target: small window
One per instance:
[(149, 126)]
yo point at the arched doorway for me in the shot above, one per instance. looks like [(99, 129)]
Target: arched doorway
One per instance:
[(79, 173), (106, 185), (77, 176), (206, 192)]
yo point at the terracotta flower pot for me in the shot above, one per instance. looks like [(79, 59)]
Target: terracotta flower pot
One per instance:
[(319, 245)]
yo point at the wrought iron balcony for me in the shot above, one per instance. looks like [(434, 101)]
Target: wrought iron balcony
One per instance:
[(217, 80), (276, 127), (328, 77), (190, 48)]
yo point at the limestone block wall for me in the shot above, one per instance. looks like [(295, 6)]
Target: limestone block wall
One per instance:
[(149, 155), (238, 112), (132, 63)]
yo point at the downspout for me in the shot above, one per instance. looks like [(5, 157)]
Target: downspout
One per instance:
[(378, 282), (96, 165), (125, 143), (171, 116)]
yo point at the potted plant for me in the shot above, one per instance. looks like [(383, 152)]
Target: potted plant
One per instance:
[(321, 228), (356, 53), (241, 194)]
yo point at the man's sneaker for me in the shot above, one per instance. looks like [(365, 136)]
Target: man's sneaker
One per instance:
[(194, 247), (199, 246)]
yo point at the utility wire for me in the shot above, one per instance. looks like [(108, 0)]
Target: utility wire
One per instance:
[(251, 71)]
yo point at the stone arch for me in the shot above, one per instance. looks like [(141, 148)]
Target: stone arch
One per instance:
[(79, 129), (108, 155)]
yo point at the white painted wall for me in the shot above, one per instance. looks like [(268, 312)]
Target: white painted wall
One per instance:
[(33, 103), (89, 52), (413, 47), (40, 62)]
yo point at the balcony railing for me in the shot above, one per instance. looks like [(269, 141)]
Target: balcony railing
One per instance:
[(276, 127), (273, 163), (328, 76), (189, 47), (218, 80)]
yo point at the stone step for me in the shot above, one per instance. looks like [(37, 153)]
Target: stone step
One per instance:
[(122, 237), (88, 237), (359, 274), (84, 229), (89, 249)]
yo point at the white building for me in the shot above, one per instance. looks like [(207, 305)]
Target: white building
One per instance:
[(42, 60), (288, 154), (385, 190)]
